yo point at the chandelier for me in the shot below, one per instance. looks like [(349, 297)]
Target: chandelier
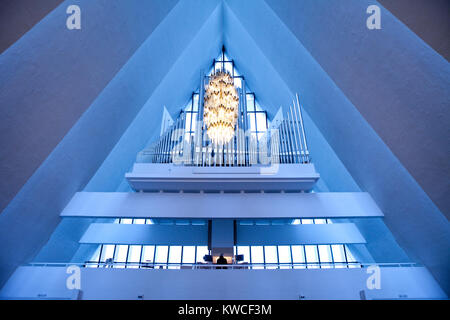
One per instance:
[(221, 107)]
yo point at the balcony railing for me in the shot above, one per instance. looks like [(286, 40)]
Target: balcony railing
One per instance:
[(238, 266)]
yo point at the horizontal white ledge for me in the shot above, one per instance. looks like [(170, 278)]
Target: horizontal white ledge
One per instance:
[(338, 233), (108, 283), (170, 177), (226, 205), (146, 234)]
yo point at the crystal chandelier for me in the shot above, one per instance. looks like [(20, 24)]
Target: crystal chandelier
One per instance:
[(221, 107)]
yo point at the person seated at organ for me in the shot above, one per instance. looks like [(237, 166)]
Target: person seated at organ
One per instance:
[(221, 260)]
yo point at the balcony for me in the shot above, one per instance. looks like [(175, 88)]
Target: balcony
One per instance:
[(398, 281), (171, 177), (184, 158)]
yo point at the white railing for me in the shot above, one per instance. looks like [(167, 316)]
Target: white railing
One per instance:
[(205, 266)]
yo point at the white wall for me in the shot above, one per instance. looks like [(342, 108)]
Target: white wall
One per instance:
[(414, 282)]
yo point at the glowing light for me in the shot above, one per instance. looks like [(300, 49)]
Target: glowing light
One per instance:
[(221, 107)]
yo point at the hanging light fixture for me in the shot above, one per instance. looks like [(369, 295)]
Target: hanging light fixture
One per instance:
[(220, 107)]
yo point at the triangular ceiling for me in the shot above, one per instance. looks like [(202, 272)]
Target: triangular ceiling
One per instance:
[(278, 59)]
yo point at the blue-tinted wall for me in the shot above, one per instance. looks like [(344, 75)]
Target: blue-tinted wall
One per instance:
[(416, 222), (48, 75), (87, 101)]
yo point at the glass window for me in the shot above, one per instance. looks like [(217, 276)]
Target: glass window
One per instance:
[(257, 256), (298, 256), (139, 221), (278, 222), (245, 251), (312, 257), (352, 262), (307, 221), (325, 256), (174, 256), (229, 67), (201, 252), (188, 254), (296, 221), (195, 102), (320, 221), (134, 256), (161, 254), (120, 256), (251, 121), (238, 82), (338, 255), (284, 256), (187, 127), (182, 222), (149, 221), (126, 221), (217, 66), (261, 124), (148, 253), (350, 257), (198, 222), (193, 124), (95, 258), (96, 254), (270, 254), (250, 102), (107, 252)]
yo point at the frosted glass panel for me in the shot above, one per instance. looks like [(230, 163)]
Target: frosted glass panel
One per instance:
[(121, 255), (250, 102), (229, 67), (244, 250), (284, 254), (134, 255), (188, 122), (270, 253), (175, 256), (251, 121), (338, 252), (238, 82), (298, 254), (195, 102), (161, 254), (96, 254), (189, 254), (312, 256), (148, 253), (325, 256), (201, 252), (107, 252), (257, 256), (261, 121)]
